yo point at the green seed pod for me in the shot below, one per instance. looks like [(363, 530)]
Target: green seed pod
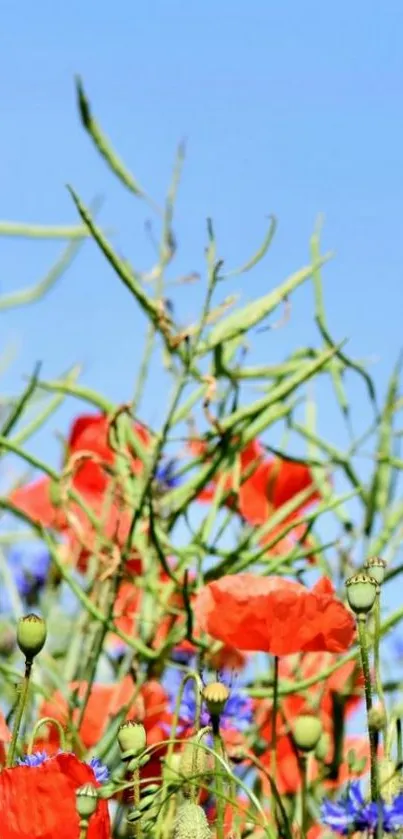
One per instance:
[(31, 635), (191, 823), (132, 739), (193, 765), (375, 566), (361, 593), (215, 696), (86, 801), (306, 731), (377, 718), (323, 746)]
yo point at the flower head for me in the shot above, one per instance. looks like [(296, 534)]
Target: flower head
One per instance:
[(237, 713), (101, 772), (352, 813), (274, 615), (38, 801)]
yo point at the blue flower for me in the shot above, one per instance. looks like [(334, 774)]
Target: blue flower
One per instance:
[(29, 568), (99, 769), (166, 475), (236, 715), (34, 759), (352, 813)]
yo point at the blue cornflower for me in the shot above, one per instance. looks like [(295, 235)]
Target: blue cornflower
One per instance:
[(166, 475), (30, 570), (34, 759), (352, 813), (99, 769), (237, 713)]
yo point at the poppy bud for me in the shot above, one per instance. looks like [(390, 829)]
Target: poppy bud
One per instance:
[(215, 696), (31, 635), (86, 801), (306, 731), (375, 566), (361, 593), (323, 746), (193, 764), (191, 823), (132, 739), (377, 718)]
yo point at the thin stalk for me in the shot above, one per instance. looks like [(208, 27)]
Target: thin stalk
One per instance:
[(372, 734), (399, 744), (21, 707), (377, 663), (274, 714), (83, 828), (304, 794), (45, 721), (136, 799), (218, 785)]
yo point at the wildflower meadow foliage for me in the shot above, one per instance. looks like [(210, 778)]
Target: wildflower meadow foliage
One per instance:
[(194, 616)]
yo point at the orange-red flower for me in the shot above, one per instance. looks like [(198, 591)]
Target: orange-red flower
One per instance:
[(39, 802), (90, 460), (266, 484), (274, 615), (5, 737)]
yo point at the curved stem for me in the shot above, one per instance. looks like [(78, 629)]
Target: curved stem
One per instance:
[(45, 721), (373, 744), (22, 704)]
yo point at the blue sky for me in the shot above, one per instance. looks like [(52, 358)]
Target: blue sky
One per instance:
[(292, 108)]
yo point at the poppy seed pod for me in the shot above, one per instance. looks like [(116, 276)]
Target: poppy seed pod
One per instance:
[(377, 718), (86, 801), (216, 696), (132, 739), (375, 566), (306, 731), (361, 593), (191, 823), (31, 635), (193, 764)]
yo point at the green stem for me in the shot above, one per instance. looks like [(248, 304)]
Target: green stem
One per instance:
[(39, 724), (83, 828), (377, 663), (136, 799), (22, 704), (304, 794), (274, 714), (362, 637), (219, 787), (399, 744)]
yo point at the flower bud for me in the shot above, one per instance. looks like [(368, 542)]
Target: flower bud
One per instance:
[(377, 718), (31, 635), (361, 593), (375, 566), (215, 696), (191, 823), (193, 765), (323, 746), (132, 739), (86, 801), (306, 731)]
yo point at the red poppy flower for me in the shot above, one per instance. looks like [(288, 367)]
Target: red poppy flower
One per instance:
[(91, 459), (39, 802), (274, 615), (266, 484)]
